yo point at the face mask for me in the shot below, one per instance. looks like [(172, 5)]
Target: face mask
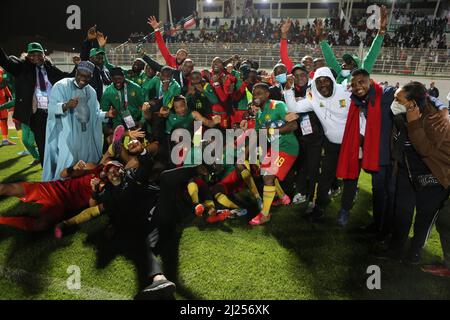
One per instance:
[(281, 78), (397, 108), (345, 73)]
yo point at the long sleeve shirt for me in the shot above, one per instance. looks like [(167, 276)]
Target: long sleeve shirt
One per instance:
[(367, 63), (284, 55), (170, 59)]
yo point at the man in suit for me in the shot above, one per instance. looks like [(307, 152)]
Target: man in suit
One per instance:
[(35, 77)]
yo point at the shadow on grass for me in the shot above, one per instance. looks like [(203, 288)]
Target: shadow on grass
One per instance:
[(333, 256), (30, 252), (8, 163), (19, 209), (338, 258), (133, 249), (21, 175)]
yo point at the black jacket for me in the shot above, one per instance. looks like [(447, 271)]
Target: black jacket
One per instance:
[(130, 204), (24, 73), (434, 92), (276, 93), (96, 81)]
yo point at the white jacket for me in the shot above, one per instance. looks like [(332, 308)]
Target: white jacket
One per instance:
[(332, 112)]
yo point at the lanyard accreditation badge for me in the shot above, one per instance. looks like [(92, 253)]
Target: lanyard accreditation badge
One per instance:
[(42, 96), (42, 99), (306, 126), (126, 115), (161, 94)]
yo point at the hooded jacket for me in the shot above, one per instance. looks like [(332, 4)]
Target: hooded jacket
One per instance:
[(332, 111)]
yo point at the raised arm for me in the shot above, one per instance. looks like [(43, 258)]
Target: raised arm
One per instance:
[(89, 43), (13, 66), (102, 41), (375, 48), (284, 54), (170, 60), (152, 63), (328, 53)]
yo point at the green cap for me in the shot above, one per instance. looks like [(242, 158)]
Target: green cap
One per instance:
[(348, 56), (96, 51), (34, 47), (299, 66)]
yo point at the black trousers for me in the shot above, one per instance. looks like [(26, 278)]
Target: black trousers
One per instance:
[(38, 124), (426, 201), (152, 265), (443, 227), (139, 246), (163, 219), (171, 208), (383, 196), (328, 176), (309, 167)]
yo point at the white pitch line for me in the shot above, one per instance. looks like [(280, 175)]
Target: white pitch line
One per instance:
[(59, 285)]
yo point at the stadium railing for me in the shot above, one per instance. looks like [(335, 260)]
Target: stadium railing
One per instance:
[(409, 61)]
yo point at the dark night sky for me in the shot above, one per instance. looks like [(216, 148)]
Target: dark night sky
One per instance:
[(45, 21)]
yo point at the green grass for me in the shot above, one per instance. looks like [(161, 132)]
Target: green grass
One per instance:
[(287, 259)]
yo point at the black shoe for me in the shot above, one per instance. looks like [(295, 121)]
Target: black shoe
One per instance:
[(412, 258), (158, 290), (317, 216)]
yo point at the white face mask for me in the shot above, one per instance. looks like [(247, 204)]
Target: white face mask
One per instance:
[(345, 73), (397, 108)]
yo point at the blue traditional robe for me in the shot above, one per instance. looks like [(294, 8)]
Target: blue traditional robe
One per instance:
[(73, 135)]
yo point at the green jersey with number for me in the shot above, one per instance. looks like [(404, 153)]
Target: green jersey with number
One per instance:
[(273, 116)]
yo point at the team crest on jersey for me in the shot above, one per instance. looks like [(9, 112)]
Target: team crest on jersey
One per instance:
[(342, 103), (133, 93), (267, 117)]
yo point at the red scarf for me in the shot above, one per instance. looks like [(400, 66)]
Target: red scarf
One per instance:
[(348, 164)]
